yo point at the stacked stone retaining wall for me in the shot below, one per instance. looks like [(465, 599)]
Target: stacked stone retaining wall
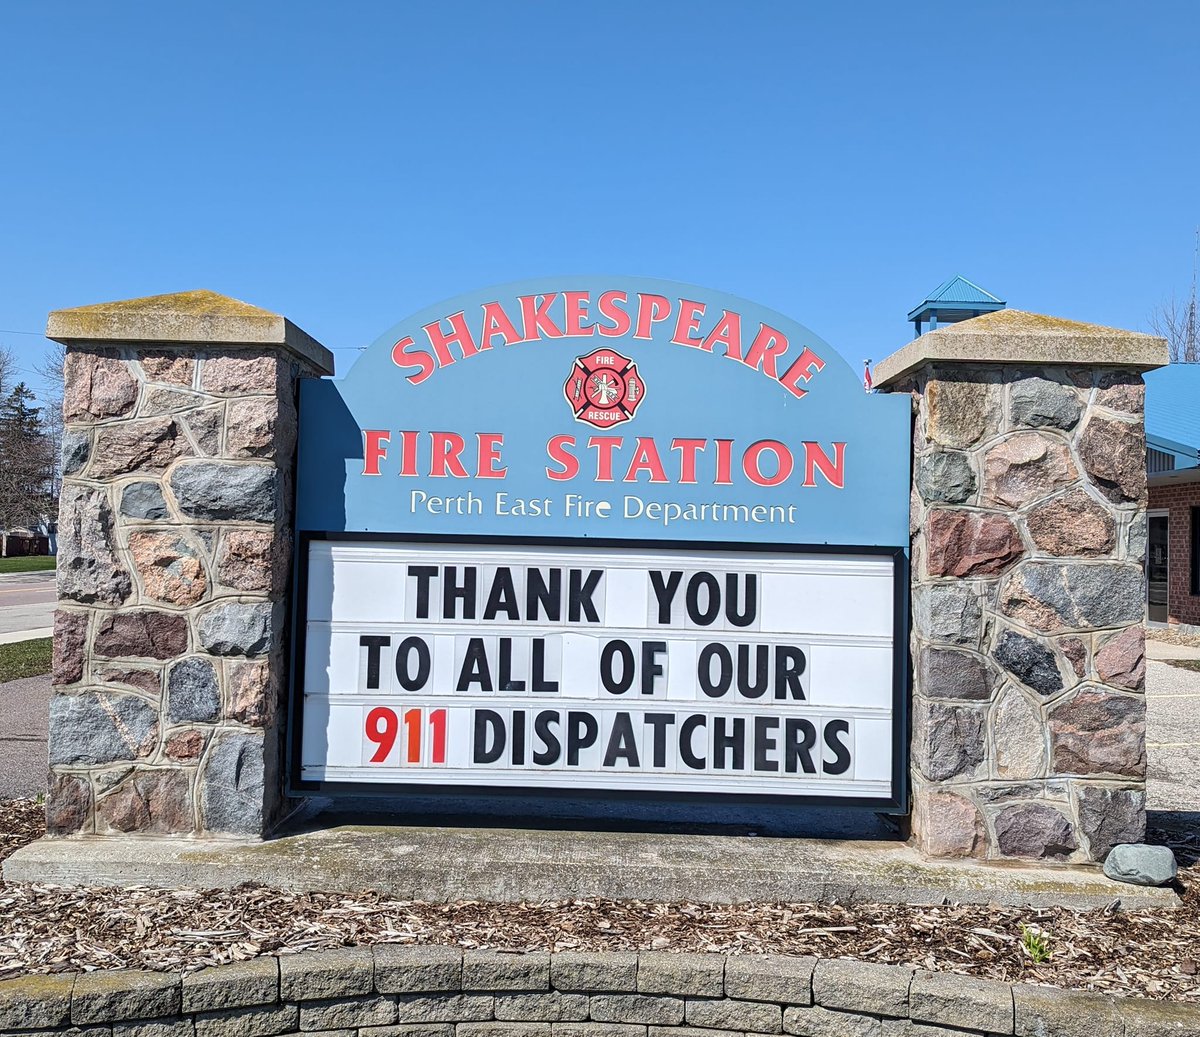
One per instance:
[(397, 991)]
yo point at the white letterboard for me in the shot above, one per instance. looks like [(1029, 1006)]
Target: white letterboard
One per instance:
[(582, 668)]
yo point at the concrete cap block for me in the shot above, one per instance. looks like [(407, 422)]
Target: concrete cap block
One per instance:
[(1067, 1013), (858, 986), (154, 1028), (417, 970), (594, 971), (238, 985), (1016, 337), (264, 1021), (965, 1001), (318, 975), (35, 1002), (1160, 1018), (495, 970), (594, 1029), (201, 317), (105, 997), (770, 977), (348, 1013), (691, 975)]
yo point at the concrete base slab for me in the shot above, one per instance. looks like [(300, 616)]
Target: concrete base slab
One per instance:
[(510, 865)]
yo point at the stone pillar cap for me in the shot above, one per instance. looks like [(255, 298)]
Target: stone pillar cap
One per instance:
[(200, 317), (1016, 337)]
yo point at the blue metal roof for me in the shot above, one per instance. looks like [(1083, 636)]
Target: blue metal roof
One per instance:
[(1173, 405), (958, 293)]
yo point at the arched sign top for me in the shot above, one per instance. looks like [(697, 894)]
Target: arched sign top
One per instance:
[(605, 407)]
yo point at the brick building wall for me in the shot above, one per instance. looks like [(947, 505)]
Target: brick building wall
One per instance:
[(1178, 499)]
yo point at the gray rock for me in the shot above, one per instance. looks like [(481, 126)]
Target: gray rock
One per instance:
[(143, 500), (1136, 538), (1078, 594), (694, 975), (1141, 865), (947, 612), (1041, 403), (1109, 816), (237, 628), (226, 490), (948, 674), (232, 800), (88, 569), (95, 728), (76, 448), (771, 977), (1031, 662), (1034, 830), (193, 692), (417, 970), (945, 475), (948, 740), (491, 970), (238, 985), (614, 971)]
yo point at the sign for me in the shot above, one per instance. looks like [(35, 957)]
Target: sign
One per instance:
[(608, 536)]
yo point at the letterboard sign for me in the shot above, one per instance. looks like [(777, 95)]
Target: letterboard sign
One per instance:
[(602, 537)]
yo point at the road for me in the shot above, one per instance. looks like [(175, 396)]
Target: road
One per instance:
[(26, 606), (1172, 729)]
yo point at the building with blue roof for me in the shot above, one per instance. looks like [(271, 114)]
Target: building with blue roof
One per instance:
[(952, 301), (1173, 478)]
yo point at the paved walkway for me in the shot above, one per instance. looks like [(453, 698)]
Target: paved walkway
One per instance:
[(24, 726), (26, 606)]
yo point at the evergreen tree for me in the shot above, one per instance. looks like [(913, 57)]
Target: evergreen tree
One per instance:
[(26, 462)]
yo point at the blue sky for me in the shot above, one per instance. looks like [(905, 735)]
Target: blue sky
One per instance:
[(346, 164)]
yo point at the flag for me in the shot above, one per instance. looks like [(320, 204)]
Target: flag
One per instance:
[(867, 383)]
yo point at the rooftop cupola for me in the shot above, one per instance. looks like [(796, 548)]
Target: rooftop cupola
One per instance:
[(957, 299)]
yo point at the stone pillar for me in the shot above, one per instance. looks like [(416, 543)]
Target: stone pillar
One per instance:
[(1028, 592), (170, 654)]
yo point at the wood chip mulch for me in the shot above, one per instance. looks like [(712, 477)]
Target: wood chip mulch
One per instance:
[(1148, 953)]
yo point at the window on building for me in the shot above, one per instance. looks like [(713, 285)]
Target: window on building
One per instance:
[(1194, 561)]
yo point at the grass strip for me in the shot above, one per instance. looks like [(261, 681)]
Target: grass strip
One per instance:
[(25, 659), (28, 564)]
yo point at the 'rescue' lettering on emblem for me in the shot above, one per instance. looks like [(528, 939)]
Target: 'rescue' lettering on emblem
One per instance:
[(604, 388)]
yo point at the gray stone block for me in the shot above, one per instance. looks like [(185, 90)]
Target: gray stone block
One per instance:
[(821, 1022), (609, 971), (594, 1029), (321, 975), (691, 1031), (497, 1029), (237, 628), (1049, 1012), (1030, 661), (1160, 1018), (97, 728), (193, 692), (1041, 403), (493, 970), (416, 970), (232, 791), (449, 1008), (223, 490), (174, 1028), (331, 1033), (857, 986), (947, 612), (104, 997), (965, 1001), (88, 568), (636, 1008), (35, 1002), (1141, 865), (945, 476), (76, 447), (549, 1005), (907, 1028), (266, 1021), (409, 1030), (727, 1014), (348, 1013), (770, 977), (690, 975), (946, 673), (239, 985), (143, 500)]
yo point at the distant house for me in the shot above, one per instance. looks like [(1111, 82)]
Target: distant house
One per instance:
[(1173, 467)]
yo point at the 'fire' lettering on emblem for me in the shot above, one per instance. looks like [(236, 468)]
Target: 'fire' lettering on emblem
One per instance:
[(604, 388)]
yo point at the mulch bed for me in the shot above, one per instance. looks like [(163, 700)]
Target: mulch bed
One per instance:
[(1149, 953)]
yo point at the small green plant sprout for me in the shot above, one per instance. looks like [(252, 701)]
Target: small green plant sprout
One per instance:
[(1036, 943)]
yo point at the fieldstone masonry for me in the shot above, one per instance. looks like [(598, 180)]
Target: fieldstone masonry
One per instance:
[(1028, 520), (174, 560)]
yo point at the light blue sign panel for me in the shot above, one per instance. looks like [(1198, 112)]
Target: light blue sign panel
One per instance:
[(605, 407)]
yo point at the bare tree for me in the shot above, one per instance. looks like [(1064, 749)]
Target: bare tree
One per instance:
[(51, 369), (1176, 322)]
